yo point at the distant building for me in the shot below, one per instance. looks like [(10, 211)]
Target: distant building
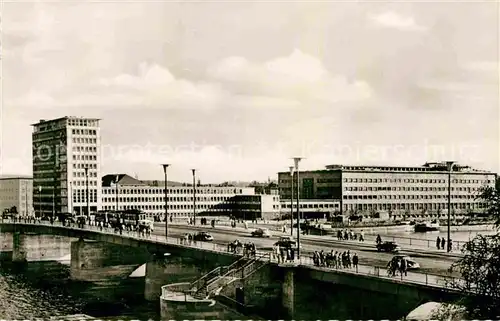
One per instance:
[(402, 192), (16, 193), (311, 208), (253, 207), (63, 149), (149, 196)]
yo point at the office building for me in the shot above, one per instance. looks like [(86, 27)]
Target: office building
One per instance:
[(254, 207), (66, 160), (121, 192), (402, 192), (16, 195)]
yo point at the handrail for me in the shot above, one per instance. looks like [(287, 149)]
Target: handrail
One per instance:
[(413, 277)]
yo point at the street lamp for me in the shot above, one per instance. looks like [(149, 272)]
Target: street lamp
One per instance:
[(449, 165), (291, 201), (117, 179), (194, 195), (296, 160), (40, 200), (87, 191), (165, 166)]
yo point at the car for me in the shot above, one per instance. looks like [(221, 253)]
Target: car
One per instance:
[(286, 241), (261, 233), (411, 263), (203, 237), (388, 247)]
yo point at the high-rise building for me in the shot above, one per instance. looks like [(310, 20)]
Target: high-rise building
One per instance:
[(16, 195), (66, 163)]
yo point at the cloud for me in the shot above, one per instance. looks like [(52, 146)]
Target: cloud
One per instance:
[(482, 66), (298, 77), (395, 20)]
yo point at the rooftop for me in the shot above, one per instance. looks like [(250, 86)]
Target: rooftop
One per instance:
[(45, 121)]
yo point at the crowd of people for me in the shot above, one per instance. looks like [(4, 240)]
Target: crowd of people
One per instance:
[(349, 235), (336, 260), (284, 254), (397, 264), (441, 243)]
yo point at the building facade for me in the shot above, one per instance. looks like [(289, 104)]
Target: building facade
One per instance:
[(311, 208), (16, 192), (66, 161), (402, 192), (122, 192), (254, 207)]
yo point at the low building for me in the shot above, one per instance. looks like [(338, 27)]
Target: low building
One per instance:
[(254, 207), (311, 208), (16, 195), (122, 192), (402, 192)]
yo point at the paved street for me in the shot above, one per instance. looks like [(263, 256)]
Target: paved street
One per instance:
[(435, 263)]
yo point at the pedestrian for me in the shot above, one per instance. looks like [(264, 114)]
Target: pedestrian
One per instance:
[(438, 243), (443, 242), (450, 245), (355, 261), (379, 239), (362, 236), (403, 267)]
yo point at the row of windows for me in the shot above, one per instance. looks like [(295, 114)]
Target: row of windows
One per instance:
[(83, 122), (162, 199), (412, 206), (91, 173), (410, 188), (370, 197), (112, 191), (83, 149), (82, 166), (80, 196), (414, 180), (399, 180), (85, 157), (84, 132), (84, 183), (79, 140), (320, 205), (185, 211)]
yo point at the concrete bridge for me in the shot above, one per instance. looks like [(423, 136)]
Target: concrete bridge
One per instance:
[(204, 280)]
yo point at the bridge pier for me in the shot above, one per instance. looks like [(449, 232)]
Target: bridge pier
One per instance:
[(166, 269), (288, 292), (32, 247), (97, 261)]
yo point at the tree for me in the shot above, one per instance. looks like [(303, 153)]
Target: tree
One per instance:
[(490, 196), (480, 266), (480, 277), (13, 210)]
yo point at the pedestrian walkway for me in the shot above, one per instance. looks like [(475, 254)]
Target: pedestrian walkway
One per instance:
[(369, 242)]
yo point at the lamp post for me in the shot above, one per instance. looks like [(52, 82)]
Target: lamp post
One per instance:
[(165, 166), (296, 160), (87, 191), (291, 201), (449, 165), (117, 179), (194, 195), (40, 200)]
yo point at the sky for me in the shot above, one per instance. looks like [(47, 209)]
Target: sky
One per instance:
[(237, 88)]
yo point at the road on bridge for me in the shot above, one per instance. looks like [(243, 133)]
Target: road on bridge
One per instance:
[(431, 263)]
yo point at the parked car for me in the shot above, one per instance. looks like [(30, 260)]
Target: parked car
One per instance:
[(261, 233), (411, 263), (286, 241), (203, 237), (388, 247)]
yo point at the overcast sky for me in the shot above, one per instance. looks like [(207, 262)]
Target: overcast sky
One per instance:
[(236, 88)]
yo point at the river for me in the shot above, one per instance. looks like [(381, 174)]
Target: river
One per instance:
[(32, 294), (462, 236)]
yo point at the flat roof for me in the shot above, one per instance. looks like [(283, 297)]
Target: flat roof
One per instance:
[(43, 121), (7, 177)]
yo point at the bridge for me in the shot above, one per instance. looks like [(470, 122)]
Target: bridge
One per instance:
[(225, 282)]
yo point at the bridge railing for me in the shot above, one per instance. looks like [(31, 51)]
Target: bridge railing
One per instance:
[(442, 281)]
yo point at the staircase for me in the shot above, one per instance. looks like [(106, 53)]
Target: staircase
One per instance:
[(214, 281)]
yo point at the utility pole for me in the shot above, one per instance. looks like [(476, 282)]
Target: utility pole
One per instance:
[(117, 178), (291, 201), (449, 166), (165, 166), (297, 187), (194, 195)]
